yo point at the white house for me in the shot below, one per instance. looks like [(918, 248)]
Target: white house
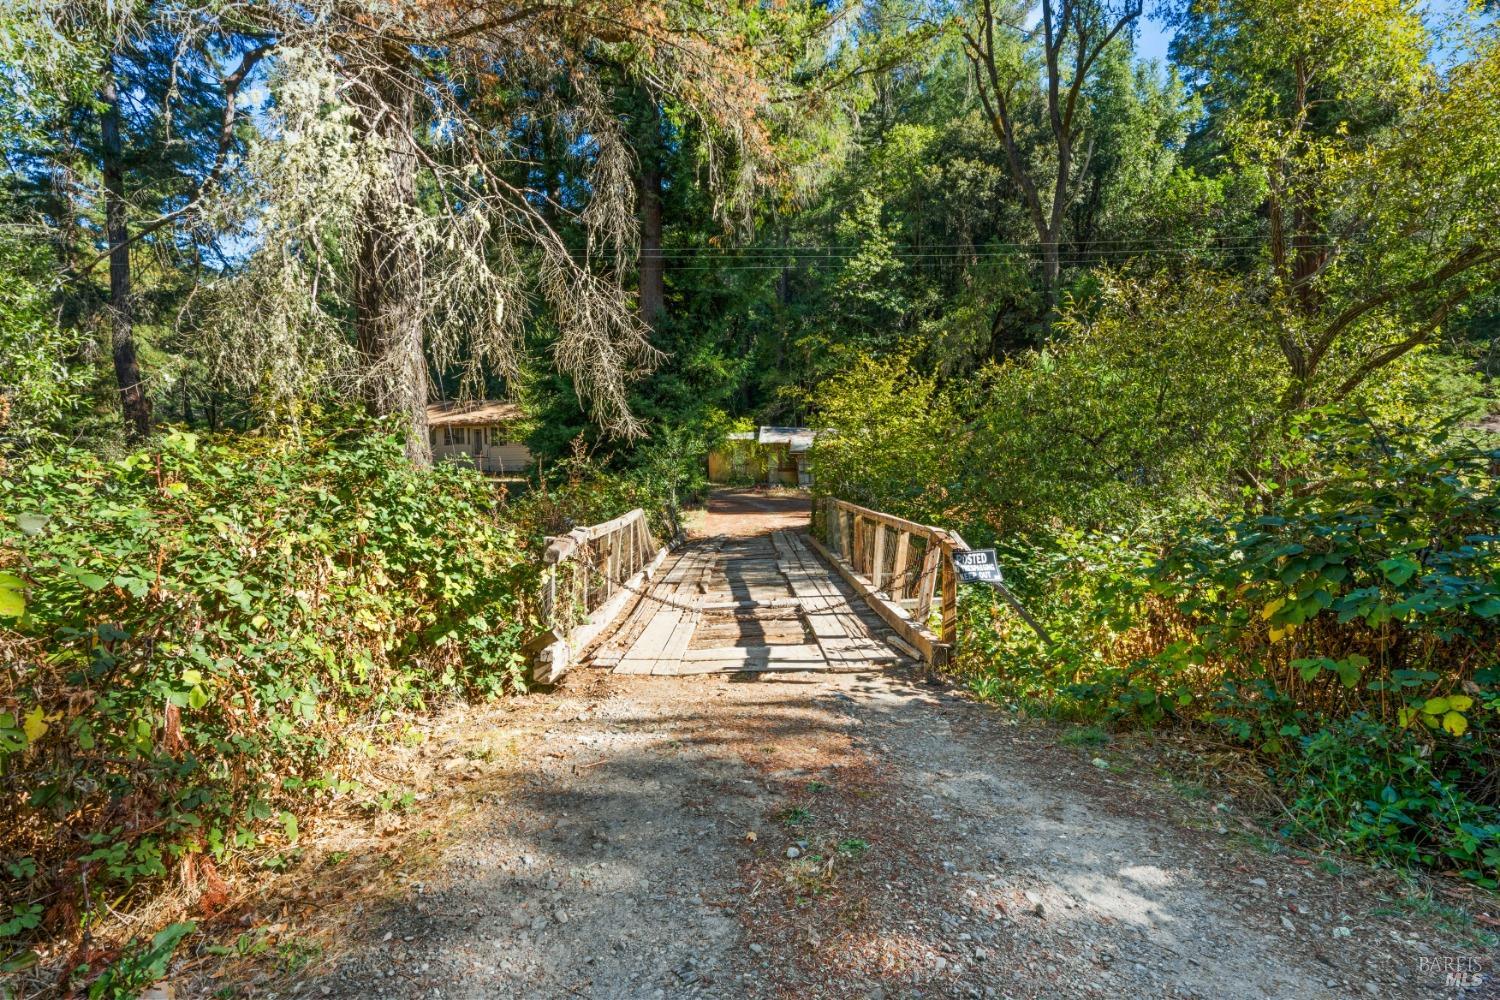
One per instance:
[(481, 433)]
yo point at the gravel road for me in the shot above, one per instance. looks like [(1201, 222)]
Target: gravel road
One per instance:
[(828, 835)]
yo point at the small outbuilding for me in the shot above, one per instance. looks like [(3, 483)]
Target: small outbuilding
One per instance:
[(776, 456), (483, 433)]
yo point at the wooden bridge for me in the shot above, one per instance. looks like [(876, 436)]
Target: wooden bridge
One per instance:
[(847, 588)]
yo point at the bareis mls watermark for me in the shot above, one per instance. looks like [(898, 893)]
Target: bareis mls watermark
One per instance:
[(1458, 971)]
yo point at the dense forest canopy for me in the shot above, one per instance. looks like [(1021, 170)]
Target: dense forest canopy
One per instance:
[(1203, 343), (257, 208)]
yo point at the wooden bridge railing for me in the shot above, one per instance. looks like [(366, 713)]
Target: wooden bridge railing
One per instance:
[(898, 566), (581, 591)]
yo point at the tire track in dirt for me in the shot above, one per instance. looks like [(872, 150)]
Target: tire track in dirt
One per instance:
[(796, 836)]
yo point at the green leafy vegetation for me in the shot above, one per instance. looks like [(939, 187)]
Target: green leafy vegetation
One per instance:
[(1341, 622), (796, 816), (1204, 346), (854, 847), (142, 964), (206, 621)]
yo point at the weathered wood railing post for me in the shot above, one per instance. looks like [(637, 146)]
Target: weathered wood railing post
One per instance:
[(599, 558), (610, 567), (899, 584), (549, 596), (952, 543), (932, 552), (857, 543)]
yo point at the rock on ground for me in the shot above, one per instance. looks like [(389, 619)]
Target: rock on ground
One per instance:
[(814, 835), (637, 844)]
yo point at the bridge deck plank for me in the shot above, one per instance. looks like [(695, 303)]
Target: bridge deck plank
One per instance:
[(766, 576)]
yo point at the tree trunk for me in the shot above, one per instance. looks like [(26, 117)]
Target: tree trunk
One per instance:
[(1064, 33), (1051, 281), (784, 276), (134, 406), (652, 268), (388, 266), (1063, 190)]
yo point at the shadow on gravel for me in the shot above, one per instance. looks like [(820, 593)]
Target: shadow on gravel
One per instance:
[(611, 871), (1062, 876), (941, 851)]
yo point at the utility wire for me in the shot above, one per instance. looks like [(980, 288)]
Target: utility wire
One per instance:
[(1022, 256), (1146, 244)]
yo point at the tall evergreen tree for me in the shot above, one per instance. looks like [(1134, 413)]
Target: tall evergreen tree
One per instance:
[(134, 122)]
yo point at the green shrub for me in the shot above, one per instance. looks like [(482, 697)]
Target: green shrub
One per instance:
[(898, 445), (45, 387), (1379, 789), (664, 476), (1089, 591), (1372, 585), (212, 631), (1360, 601)]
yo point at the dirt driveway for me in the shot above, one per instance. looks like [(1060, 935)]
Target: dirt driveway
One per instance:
[(827, 835), (745, 512)]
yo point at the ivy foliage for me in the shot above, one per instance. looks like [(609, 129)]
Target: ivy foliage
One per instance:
[(202, 637)]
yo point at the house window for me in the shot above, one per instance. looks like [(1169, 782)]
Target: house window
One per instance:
[(447, 435)]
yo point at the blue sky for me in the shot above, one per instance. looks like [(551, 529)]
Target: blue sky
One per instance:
[(1153, 39)]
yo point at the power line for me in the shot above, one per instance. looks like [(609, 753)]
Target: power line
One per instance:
[(1021, 255), (836, 248)]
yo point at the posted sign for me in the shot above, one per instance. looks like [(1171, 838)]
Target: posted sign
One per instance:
[(977, 566)]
